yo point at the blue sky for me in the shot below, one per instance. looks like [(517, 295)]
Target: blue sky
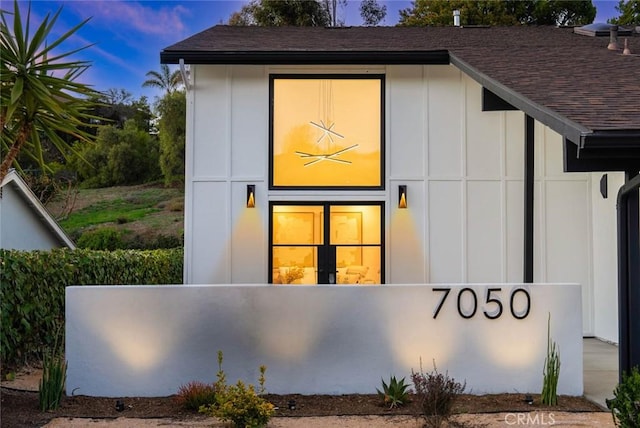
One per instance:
[(129, 35)]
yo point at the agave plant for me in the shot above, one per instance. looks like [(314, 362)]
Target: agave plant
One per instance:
[(395, 393), (39, 94)]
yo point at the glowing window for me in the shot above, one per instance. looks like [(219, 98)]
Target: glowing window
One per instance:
[(327, 131)]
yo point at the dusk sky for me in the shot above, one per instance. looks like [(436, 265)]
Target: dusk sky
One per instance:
[(128, 35)]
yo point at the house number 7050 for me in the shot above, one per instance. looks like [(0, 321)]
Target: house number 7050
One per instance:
[(519, 303)]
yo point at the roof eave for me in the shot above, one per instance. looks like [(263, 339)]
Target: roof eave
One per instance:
[(306, 57), (546, 116), (611, 139)]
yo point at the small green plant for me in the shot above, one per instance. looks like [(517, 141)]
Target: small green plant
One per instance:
[(239, 404), (395, 393), (625, 405), (195, 394), (437, 393), (551, 371), (51, 386)]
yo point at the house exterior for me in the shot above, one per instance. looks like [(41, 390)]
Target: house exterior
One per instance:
[(25, 223), (359, 198), (460, 156)]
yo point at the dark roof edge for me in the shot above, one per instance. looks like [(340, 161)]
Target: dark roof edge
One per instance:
[(552, 119), (611, 139), (306, 57)]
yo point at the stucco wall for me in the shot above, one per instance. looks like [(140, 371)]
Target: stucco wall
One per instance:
[(463, 168), (150, 340)]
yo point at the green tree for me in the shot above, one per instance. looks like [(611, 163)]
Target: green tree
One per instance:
[(40, 97), (563, 12), (115, 107), (372, 12), (629, 13), (497, 12), (171, 130), (165, 79), (277, 13), (119, 157)]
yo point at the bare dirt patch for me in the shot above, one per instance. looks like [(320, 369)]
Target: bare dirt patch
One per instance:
[(20, 409)]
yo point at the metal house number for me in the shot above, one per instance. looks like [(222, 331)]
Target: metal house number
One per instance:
[(492, 308)]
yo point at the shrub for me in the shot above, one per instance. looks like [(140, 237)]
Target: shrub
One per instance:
[(167, 241), (239, 403), (196, 394), (33, 290), (437, 393), (395, 394), (106, 239), (551, 371), (625, 405)]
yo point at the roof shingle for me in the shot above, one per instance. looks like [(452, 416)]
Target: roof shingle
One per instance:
[(574, 76)]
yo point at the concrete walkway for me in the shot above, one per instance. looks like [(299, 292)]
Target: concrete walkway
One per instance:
[(600, 361)]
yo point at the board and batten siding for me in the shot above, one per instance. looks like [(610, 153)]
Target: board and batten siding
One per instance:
[(463, 168)]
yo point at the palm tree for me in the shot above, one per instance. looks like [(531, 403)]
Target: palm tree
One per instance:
[(39, 94), (165, 79)]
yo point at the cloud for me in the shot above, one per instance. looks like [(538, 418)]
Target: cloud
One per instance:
[(138, 17)]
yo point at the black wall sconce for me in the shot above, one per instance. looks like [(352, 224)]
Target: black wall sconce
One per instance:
[(604, 186), (251, 196), (402, 196)]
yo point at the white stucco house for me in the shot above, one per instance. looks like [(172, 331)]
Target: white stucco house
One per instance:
[(25, 224), (358, 198)]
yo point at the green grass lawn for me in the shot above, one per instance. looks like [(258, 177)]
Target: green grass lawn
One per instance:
[(142, 212)]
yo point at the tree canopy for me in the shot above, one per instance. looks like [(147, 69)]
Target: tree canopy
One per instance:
[(629, 13), (303, 13), (499, 12), (372, 12), (277, 13)]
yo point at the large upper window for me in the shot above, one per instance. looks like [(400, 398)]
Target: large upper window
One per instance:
[(327, 131)]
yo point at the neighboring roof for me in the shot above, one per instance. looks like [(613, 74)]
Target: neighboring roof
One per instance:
[(570, 82), (14, 180)]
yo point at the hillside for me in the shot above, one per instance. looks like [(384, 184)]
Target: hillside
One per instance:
[(144, 216)]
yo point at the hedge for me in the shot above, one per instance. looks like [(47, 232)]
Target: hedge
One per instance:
[(32, 290)]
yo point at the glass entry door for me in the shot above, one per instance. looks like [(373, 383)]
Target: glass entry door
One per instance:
[(326, 243)]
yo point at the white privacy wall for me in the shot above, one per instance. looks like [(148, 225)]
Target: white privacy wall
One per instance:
[(463, 168), (124, 341)]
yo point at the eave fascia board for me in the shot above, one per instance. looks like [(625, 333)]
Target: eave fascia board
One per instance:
[(546, 116), (611, 139), (306, 57)]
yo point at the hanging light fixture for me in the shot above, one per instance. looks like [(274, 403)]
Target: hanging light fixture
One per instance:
[(402, 196), (251, 196)]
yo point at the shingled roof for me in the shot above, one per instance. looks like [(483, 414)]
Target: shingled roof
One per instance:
[(570, 82)]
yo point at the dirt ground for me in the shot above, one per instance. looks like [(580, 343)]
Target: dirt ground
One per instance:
[(19, 408)]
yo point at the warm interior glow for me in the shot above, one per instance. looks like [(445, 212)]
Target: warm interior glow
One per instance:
[(298, 235), (327, 132)]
